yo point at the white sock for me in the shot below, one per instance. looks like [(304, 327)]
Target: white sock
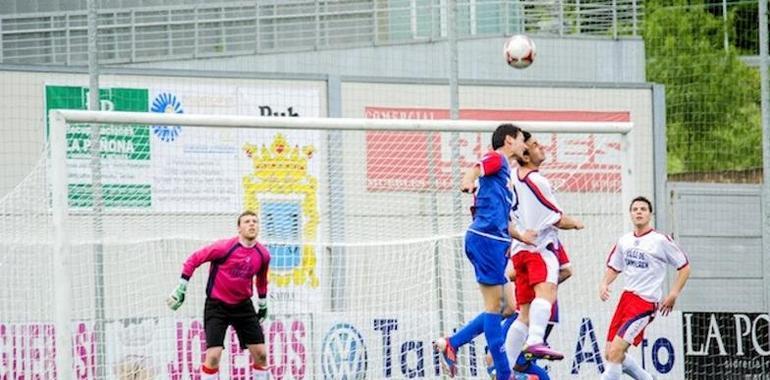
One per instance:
[(633, 369), (539, 313), (207, 374), (514, 341), (612, 371), (259, 373)]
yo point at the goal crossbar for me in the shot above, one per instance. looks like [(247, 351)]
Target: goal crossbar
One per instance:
[(322, 123)]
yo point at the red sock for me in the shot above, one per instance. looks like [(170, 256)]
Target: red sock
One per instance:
[(209, 371)]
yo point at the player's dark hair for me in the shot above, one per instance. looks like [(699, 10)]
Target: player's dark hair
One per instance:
[(640, 199), (498, 137), (527, 136), (246, 213)]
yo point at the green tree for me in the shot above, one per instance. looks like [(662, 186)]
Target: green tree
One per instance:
[(712, 98)]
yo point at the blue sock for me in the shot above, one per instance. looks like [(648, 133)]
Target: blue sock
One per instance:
[(522, 361), (535, 369), (507, 322), (494, 334), (466, 334)]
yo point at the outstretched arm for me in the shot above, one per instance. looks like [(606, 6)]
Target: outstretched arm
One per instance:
[(568, 222), (207, 253)]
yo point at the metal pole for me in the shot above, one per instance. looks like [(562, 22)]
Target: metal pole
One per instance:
[(62, 287), (724, 25), (615, 19), (454, 109), (454, 114), (765, 88), (337, 253), (96, 189), (560, 16), (659, 157)]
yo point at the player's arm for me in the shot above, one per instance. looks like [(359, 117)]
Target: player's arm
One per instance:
[(614, 267), (677, 258), (526, 236), (261, 284), (468, 183), (489, 164), (564, 274), (604, 288), (568, 222), (545, 194), (207, 253), (681, 279)]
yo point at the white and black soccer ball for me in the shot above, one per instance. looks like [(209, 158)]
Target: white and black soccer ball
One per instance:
[(519, 51)]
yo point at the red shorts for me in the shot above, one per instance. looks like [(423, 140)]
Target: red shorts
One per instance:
[(531, 269), (632, 316)]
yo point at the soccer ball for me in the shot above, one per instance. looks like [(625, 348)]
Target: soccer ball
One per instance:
[(519, 51)]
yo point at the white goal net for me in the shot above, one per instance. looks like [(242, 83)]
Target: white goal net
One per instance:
[(363, 218)]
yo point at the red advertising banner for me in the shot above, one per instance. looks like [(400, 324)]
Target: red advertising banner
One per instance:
[(405, 161)]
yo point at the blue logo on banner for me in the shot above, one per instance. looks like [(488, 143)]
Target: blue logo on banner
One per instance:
[(343, 354), (282, 221), (166, 103)]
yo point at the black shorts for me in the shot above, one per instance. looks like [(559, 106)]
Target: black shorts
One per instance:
[(217, 316)]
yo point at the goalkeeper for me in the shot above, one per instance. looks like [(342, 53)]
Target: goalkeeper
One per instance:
[(235, 263)]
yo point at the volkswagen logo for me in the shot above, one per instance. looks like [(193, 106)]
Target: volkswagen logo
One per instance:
[(343, 354)]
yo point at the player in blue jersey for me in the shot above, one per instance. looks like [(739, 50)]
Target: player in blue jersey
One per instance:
[(488, 238)]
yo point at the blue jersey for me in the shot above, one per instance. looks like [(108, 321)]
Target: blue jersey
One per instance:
[(494, 198)]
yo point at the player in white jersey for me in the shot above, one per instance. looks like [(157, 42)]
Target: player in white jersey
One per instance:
[(537, 266), (642, 256)]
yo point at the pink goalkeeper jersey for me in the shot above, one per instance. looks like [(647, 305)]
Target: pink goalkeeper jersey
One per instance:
[(233, 266), (642, 260)]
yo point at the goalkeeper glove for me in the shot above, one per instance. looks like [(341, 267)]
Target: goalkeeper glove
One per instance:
[(176, 298), (262, 313)]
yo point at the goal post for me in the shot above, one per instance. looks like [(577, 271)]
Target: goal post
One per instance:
[(378, 284)]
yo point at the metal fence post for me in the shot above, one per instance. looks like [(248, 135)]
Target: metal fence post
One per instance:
[(614, 19), (765, 111)]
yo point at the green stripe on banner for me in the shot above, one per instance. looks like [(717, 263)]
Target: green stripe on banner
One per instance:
[(114, 195)]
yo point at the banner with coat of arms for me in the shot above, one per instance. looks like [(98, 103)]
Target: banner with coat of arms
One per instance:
[(178, 169)]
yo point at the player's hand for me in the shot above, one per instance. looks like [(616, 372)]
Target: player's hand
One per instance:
[(176, 298), (579, 225), (604, 292), (528, 237), (668, 304), (467, 186), (262, 312)]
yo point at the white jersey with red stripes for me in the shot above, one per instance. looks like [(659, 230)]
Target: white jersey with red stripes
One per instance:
[(642, 259), (535, 208)]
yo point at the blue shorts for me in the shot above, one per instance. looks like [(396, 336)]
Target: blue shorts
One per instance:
[(488, 256)]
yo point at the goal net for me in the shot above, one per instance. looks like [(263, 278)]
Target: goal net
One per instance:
[(363, 219)]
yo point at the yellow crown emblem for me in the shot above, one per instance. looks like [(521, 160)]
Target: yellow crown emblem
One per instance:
[(279, 161), (281, 170)]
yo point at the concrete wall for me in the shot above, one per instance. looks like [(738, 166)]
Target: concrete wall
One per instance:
[(720, 227), (566, 59)]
